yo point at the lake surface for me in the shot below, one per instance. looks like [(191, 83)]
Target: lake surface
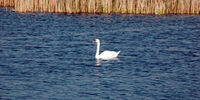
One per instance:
[(51, 57)]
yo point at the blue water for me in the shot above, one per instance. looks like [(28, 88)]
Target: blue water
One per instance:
[(51, 57)]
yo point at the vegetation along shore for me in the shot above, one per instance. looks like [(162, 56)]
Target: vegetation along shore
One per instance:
[(158, 7)]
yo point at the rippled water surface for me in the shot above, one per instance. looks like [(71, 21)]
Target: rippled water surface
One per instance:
[(51, 57)]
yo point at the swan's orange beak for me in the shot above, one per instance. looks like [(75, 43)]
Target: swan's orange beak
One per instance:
[(94, 41)]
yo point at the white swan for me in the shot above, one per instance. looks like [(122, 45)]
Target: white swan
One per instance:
[(106, 55)]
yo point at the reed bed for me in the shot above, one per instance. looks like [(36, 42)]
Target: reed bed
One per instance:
[(6, 3), (157, 7)]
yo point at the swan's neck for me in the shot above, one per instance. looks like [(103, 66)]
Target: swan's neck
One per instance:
[(97, 52)]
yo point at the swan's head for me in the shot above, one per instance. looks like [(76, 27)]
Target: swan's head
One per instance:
[(96, 41)]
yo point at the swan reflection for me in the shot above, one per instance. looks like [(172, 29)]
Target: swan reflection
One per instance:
[(99, 61)]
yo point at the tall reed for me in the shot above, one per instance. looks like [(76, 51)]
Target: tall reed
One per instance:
[(109, 6), (6, 3)]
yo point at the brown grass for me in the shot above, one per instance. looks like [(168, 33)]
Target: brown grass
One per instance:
[(157, 7)]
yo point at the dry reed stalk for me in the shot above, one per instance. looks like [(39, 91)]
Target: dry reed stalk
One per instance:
[(6, 3), (83, 6), (124, 6), (107, 6), (195, 6), (130, 6), (116, 6), (97, 7), (139, 6), (160, 7), (92, 6)]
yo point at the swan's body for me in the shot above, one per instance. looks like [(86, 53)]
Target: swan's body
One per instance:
[(106, 55)]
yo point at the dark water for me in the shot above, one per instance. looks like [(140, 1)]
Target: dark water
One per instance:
[(51, 57)]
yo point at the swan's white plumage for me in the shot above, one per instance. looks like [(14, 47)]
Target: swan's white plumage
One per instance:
[(106, 55)]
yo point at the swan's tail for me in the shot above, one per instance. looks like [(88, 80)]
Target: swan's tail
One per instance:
[(118, 53)]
